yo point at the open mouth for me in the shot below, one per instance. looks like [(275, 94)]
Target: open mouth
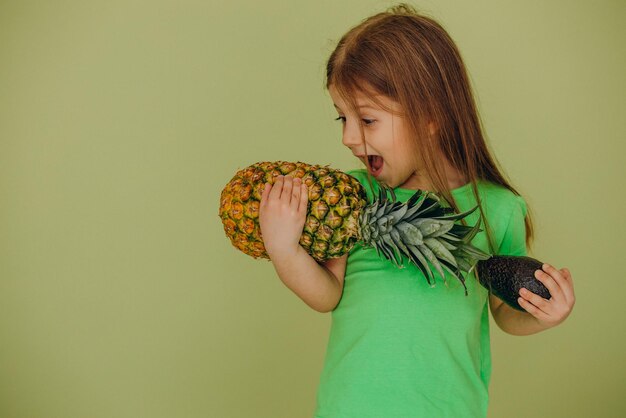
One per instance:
[(376, 163)]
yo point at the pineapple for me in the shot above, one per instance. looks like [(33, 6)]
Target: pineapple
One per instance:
[(339, 215)]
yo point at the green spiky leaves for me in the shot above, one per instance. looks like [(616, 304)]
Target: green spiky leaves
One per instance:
[(423, 231)]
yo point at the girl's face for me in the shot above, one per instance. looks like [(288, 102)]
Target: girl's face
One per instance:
[(386, 138)]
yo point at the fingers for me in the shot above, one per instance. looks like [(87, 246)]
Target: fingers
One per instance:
[(566, 273), (538, 303), (287, 189), (265, 194), (558, 283), (303, 198), (559, 306), (548, 277), (277, 188), (569, 288), (554, 273), (278, 191), (298, 194), (531, 307), (295, 193)]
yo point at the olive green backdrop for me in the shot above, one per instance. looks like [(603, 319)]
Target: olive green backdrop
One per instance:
[(121, 121)]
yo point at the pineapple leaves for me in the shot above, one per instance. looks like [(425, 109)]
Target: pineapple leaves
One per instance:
[(393, 195), (395, 236), (392, 250), (427, 226), (414, 198), (424, 231), (432, 258), (420, 262), (456, 273), (440, 251), (469, 237), (473, 252), (399, 212), (451, 238), (381, 210), (448, 245), (413, 206), (410, 233), (430, 206), (463, 264), (456, 216)]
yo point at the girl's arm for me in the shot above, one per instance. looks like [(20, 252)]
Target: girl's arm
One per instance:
[(314, 283), (282, 214), (540, 314)]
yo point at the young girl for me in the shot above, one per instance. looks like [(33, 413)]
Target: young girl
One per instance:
[(399, 347)]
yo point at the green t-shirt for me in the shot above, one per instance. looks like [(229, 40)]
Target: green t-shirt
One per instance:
[(399, 348)]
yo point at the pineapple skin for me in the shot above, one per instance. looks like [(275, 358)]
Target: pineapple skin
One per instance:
[(335, 200)]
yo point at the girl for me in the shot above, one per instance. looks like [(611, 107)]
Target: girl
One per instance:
[(397, 347)]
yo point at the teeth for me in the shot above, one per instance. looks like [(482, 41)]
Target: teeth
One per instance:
[(378, 159)]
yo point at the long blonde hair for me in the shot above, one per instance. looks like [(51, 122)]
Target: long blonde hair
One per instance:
[(410, 58)]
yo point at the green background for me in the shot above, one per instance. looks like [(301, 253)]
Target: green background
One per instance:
[(121, 121)]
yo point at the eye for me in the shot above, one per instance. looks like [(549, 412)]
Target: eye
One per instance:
[(366, 121)]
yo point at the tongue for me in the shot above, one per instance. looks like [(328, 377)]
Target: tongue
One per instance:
[(376, 162)]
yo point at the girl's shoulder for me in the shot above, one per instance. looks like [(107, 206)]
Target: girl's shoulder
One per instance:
[(501, 198)]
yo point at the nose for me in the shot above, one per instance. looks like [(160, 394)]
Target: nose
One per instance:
[(351, 135)]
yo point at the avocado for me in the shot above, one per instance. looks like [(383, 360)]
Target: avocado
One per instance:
[(505, 275)]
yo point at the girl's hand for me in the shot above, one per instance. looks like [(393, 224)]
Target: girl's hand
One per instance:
[(553, 311), (282, 214)]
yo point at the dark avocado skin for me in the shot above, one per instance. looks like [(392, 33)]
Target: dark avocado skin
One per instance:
[(505, 275)]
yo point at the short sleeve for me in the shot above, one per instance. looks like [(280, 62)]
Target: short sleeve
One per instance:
[(514, 240)]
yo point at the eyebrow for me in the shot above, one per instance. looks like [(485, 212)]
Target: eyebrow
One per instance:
[(360, 107)]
